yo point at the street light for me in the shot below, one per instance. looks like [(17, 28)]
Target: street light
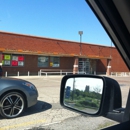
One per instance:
[(80, 33)]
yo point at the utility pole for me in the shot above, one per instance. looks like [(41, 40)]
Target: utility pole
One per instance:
[(80, 33)]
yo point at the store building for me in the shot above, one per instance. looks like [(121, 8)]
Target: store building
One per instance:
[(25, 53)]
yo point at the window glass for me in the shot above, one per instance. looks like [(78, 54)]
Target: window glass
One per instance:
[(43, 61), (6, 59), (54, 61), (12, 60)]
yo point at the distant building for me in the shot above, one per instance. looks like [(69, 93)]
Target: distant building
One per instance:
[(87, 88), (67, 95)]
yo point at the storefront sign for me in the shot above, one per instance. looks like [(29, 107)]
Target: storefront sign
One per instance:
[(7, 57), (20, 58), (20, 63), (14, 63), (6, 62), (15, 58), (51, 64)]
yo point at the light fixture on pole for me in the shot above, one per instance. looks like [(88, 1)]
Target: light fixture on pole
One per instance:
[(80, 33)]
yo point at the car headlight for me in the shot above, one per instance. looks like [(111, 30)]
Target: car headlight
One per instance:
[(31, 86)]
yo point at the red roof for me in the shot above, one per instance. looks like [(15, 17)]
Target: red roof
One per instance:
[(10, 42)]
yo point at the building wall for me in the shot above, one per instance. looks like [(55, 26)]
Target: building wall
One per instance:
[(101, 66), (66, 64), (31, 65), (18, 44), (117, 64)]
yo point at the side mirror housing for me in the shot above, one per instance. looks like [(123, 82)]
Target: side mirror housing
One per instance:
[(90, 94)]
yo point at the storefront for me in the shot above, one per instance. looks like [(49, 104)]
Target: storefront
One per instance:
[(87, 66), (23, 54)]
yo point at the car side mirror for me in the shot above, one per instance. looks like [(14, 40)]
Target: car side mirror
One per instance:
[(90, 94)]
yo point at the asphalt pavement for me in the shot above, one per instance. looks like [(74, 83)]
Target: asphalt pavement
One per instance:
[(47, 114)]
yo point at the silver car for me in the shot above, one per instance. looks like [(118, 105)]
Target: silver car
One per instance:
[(15, 96)]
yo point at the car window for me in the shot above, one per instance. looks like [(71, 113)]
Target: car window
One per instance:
[(68, 25)]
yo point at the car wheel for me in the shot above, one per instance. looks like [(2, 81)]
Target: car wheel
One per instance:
[(12, 105)]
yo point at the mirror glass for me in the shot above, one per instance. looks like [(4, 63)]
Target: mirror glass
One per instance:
[(83, 94)]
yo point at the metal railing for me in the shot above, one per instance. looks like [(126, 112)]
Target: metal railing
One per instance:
[(46, 73), (18, 74), (120, 74), (52, 72)]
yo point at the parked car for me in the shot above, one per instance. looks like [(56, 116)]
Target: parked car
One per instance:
[(15, 96)]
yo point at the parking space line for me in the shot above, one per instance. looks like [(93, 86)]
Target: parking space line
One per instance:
[(22, 124), (51, 123)]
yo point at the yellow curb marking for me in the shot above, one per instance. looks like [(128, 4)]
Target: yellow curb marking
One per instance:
[(22, 124)]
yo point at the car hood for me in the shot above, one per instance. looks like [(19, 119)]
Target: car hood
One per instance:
[(114, 17), (12, 79), (11, 82)]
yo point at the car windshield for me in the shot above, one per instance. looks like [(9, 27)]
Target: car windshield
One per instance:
[(40, 42)]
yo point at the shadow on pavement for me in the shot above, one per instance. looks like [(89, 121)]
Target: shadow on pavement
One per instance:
[(39, 107)]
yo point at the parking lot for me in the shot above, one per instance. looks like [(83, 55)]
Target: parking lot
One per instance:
[(48, 114)]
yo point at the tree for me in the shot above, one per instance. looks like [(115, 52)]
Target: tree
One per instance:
[(97, 89)]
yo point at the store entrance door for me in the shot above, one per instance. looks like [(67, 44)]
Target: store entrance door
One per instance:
[(84, 66)]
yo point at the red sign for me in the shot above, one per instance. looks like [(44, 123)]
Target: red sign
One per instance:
[(20, 58), (14, 63)]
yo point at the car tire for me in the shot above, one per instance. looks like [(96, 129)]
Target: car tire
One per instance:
[(12, 105)]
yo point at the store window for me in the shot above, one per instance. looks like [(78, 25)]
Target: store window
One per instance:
[(54, 61), (12, 60), (6, 60), (43, 61)]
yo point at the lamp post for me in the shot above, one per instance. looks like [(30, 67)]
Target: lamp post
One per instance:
[(80, 33)]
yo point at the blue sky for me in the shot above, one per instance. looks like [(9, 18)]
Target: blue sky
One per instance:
[(59, 19)]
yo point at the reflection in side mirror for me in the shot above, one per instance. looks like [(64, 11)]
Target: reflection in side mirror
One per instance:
[(83, 94)]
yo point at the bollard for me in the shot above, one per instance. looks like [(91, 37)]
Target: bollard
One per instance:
[(6, 74), (60, 72), (18, 73), (40, 72), (28, 73)]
